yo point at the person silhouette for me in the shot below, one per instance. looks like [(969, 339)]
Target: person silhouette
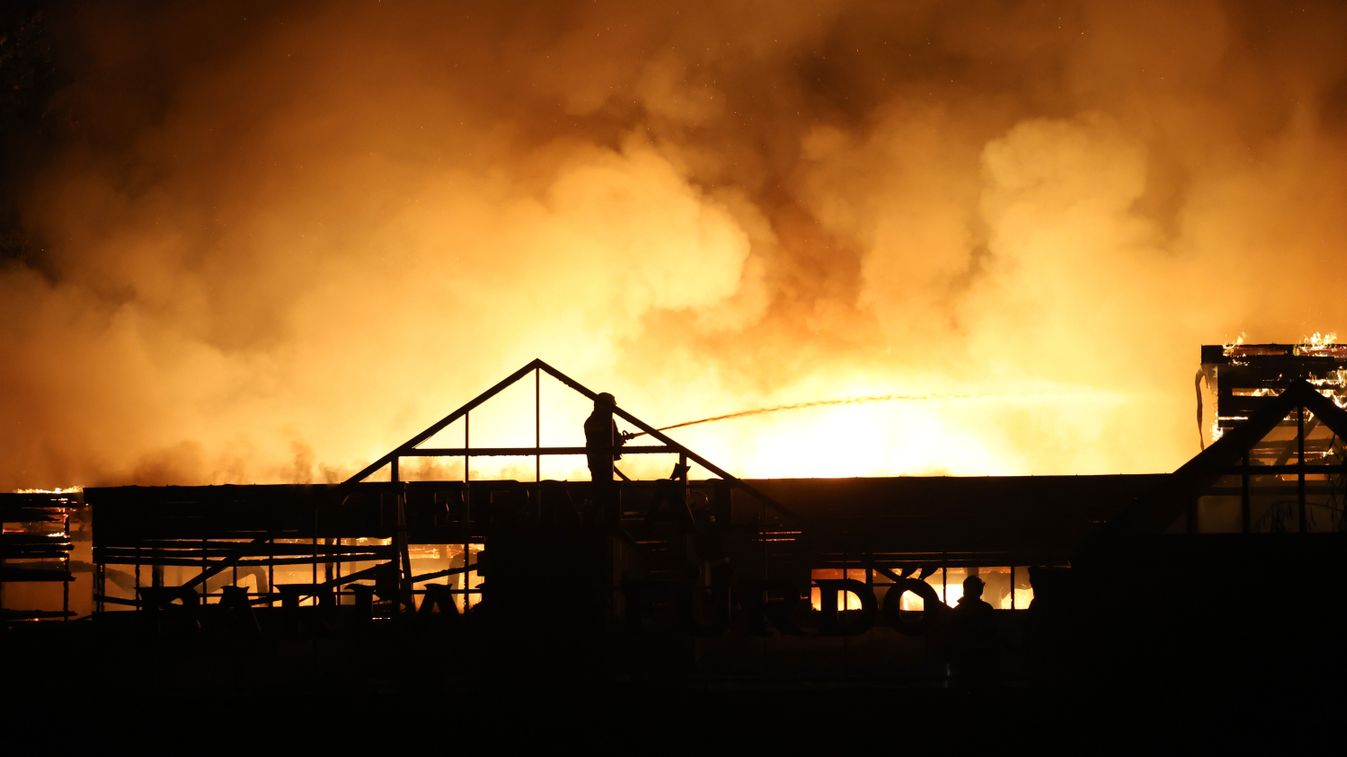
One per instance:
[(601, 444), (973, 653)]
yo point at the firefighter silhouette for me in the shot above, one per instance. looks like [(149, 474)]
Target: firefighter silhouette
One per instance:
[(601, 448)]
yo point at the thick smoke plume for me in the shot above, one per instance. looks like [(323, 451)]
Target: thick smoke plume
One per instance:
[(268, 242)]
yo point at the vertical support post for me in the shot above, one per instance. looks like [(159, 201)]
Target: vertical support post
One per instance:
[(328, 564), (1245, 506), (402, 553), (271, 571), (538, 437), (313, 542), (762, 538), (944, 578), (135, 589), (467, 506), (683, 479), (846, 605), (395, 474), (869, 559), (65, 584), (846, 573), (1300, 464), (467, 467)]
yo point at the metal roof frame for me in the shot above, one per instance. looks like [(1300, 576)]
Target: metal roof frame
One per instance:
[(537, 367)]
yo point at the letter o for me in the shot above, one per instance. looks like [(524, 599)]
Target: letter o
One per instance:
[(930, 601)]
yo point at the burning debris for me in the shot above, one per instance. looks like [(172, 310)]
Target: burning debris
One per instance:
[(36, 542), (1241, 376)]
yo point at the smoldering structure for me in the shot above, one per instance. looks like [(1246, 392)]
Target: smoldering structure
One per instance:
[(1208, 591), (36, 545), (719, 578)]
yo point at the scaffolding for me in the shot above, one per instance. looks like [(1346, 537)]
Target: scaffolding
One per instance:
[(395, 546), (35, 547)]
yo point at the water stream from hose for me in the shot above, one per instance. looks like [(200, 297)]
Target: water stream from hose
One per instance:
[(818, 403)]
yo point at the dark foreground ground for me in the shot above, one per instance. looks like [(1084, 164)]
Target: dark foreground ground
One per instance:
[(75, 689)]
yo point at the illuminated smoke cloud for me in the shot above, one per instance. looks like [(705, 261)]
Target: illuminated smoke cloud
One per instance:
[(268, 243)]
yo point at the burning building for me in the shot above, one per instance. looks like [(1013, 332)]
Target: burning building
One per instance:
[(714, 540), (258, 243), (724, 579)]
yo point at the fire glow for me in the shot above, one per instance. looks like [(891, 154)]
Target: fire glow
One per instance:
[(242, 257)]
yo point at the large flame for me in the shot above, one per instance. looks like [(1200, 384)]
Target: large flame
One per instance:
[(269, 246)]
